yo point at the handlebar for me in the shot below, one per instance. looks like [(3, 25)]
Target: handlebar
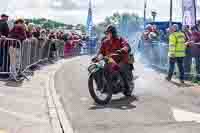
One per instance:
[(105, 58)]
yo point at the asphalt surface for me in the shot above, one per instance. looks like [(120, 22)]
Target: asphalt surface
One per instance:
[(161, 107), (23, 106)]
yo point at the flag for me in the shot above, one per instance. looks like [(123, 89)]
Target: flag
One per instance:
[(145, 7), (189, 12), (89, 20)]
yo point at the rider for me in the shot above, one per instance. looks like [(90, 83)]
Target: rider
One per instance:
[(112, 43)]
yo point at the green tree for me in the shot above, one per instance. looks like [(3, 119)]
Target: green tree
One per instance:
[(48, 25), (82, 28), (126, 23)]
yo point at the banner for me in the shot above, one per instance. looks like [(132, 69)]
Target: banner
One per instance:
[(145, 8), (89, 24), (189, 12), (197, 10)]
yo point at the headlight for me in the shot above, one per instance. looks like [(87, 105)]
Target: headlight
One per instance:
[(92, 67)]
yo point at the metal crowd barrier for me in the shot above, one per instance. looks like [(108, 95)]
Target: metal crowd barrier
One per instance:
[(60, 44), (157, 56), (33, 52), (17, 58), (74, 51), (79, 49), (160, 56), (9, 51)]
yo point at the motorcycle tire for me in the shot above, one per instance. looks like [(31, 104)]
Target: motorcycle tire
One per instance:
[(93, 94)]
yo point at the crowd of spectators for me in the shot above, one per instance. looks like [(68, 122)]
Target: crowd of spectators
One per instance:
[(23, 30), (151, 33), (192, 35), (152, 37)]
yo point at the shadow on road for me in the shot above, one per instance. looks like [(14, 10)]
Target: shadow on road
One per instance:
[(29, 73), (14, 83), (123, 103), (181, 85)]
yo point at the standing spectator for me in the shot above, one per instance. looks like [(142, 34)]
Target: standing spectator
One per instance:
[(154, 34), (68, 45), (196, 50), (154, 39), (58, 35), (52, 38), (65, 36), (155, 30), (146, 45), (43, 40), (168, 32), (176, 52), (30, 30), (52, 35), (147, 31), (61, 35), (4, 29), (36, 33), (27, 23), (198, 25), (76, 43), (60, 44), (84, 45), (188, 57), (19, 30), (43, 34), (162, 36)]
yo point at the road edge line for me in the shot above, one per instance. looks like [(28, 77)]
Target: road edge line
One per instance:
[(58, 118)]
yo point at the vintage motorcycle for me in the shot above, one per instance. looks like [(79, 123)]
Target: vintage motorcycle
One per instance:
[(105, 79)]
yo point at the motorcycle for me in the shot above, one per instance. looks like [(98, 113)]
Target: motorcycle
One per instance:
[(105, 79)]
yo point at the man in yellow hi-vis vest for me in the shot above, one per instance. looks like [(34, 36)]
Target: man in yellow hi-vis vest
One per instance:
[(177, 48)]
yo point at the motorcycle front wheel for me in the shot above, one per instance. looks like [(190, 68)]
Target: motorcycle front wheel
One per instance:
[(101, 97)]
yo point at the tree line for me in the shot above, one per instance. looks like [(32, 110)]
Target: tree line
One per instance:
[(126, 23)]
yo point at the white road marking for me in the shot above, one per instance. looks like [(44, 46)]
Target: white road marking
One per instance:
[(52, 94), (185, 116), (84, 99)]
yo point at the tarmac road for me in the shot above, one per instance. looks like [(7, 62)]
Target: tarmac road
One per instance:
[(162, 107)]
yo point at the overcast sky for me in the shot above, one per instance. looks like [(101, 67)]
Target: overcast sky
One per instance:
[(75, 11)]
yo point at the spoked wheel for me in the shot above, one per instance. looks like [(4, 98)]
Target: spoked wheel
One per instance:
[(101, 96)]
